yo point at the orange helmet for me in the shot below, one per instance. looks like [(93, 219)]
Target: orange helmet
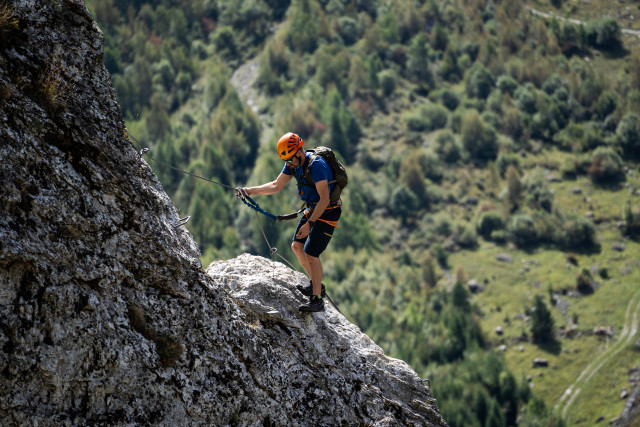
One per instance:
[(288, 145)]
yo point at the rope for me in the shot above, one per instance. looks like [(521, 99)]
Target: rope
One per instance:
[(273, 250), (256, 207), (251, 203), (145, 150)]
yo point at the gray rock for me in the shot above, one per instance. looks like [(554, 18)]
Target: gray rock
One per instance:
[(504, 258), (540, 363), (106, 314), (603, 331), (619, 247)]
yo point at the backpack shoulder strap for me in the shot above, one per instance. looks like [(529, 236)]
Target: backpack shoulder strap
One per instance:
[(307, 169)]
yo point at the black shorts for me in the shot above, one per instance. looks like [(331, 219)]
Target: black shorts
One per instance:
[(318, 238)]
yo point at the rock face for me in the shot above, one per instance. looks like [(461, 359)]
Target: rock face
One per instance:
[(106, 315)]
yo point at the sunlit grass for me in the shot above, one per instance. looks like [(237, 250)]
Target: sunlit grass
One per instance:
[(509, 288)]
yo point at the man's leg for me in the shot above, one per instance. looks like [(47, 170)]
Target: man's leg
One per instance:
[(316, 302), (315, 267), (298, 249)]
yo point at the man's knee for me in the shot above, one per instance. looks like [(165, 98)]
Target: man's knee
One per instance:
[(297, 248)]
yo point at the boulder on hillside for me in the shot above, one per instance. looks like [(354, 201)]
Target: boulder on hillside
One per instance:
[(504, 258), (540, 363), (603, 331)]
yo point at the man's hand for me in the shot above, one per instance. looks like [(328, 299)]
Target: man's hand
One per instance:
[(303, 231), (241, 193)]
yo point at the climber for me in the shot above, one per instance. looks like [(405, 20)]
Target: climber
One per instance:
[(320, 217)]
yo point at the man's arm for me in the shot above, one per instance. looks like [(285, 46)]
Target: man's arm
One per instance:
[(323, 190), (272, 187)]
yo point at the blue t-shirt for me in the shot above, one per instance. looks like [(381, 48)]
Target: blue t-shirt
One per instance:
[(320, 170)]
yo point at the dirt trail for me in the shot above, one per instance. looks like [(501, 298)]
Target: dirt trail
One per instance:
[(242, 80), (629, 331), (574, 21)]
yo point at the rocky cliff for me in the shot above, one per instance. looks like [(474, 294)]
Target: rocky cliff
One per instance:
[(106, 315)]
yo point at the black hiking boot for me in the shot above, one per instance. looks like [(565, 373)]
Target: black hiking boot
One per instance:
[(307, 291), (315, 304)]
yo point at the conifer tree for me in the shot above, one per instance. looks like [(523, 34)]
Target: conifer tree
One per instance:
[(542, 323)]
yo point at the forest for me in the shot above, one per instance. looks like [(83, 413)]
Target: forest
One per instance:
[(493, 158)]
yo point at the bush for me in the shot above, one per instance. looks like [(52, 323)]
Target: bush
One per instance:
[(348, 29), (224, 41), (578, 233), (388, 80), (568, 137), (505, 160), (584, 282), (523, 231), (606, 104), (553, 84), (490, 222), (525, 97), (628, 132), (478, 138), (631, 220), (307, 27), (449, 99), (548, 227), (405, 203), (431, 166), (480, 82), (543, 126), (464, 236), (604, 33), (447, 147), (573, 166), (440, 254), (606, 166), (537, 191), (512, 123), (450, 70), (507, 84), (427, 117)]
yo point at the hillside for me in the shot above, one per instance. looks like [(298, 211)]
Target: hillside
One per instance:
[(492, 217), (106, 314)]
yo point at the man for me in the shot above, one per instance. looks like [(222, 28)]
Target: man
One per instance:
[(319, 220)]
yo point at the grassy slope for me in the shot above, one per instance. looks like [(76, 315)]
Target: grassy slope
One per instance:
[(598, 367), (511, 288)]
